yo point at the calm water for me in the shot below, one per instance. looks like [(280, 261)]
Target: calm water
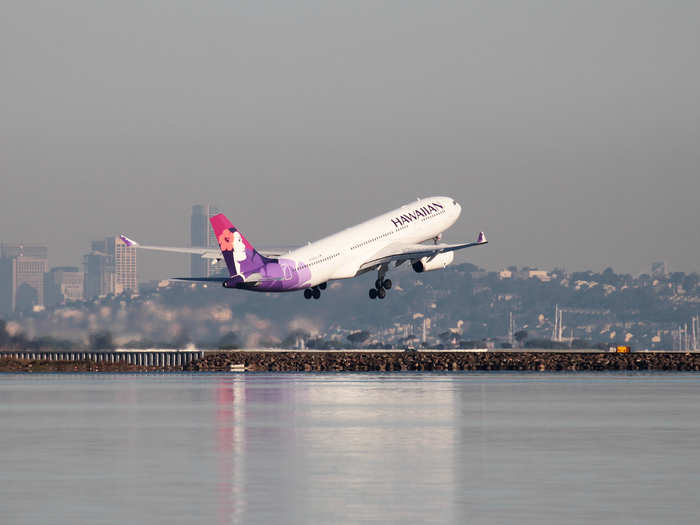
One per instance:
[(350, 448)]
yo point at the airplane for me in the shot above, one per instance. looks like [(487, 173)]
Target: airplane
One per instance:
[(391, 238)]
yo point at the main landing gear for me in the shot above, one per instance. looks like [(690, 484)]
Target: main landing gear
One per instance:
[(315, 292), (381, 285)]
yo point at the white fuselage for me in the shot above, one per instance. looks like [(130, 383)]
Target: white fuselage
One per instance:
[(340, 256)]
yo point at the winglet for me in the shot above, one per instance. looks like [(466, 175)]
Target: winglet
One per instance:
[(128, 241), (481, 239)]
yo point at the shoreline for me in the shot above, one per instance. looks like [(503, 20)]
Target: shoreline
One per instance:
[(378, 361)]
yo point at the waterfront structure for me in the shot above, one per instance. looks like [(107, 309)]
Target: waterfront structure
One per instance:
[(202, 236), (64, 283), (110, 268), (22, 270)]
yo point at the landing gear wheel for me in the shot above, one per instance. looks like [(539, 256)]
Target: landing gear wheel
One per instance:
[(308, 293), (381, 293), (317, 293), (372, 293), (322, 286), (378, 284), (387, 284)]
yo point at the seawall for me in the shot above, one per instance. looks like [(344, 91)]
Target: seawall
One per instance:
[(418, 361), (361, 361)]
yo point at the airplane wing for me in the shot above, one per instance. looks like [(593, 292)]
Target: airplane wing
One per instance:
[(400, 252), (205, 253)]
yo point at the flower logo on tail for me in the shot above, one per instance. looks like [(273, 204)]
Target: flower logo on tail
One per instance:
[(226, 241)]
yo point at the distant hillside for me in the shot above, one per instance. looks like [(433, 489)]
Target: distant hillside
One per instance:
[(462, 304)]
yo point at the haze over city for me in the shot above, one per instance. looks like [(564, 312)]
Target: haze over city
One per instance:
[(567, 132)]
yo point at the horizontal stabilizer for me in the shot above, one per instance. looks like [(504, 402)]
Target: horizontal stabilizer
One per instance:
[(252, 280), (200, 279)]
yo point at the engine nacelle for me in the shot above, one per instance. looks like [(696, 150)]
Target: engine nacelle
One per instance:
[(426, 264)]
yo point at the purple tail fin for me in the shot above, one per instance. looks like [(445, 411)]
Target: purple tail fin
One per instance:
[(240, 256)]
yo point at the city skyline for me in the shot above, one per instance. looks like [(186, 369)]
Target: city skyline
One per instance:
[(28, 280), (136, 274), (462, 305)]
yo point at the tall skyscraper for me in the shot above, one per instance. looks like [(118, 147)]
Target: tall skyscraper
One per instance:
[(110, 268), (124, 265), (22, 276), (202, 236)]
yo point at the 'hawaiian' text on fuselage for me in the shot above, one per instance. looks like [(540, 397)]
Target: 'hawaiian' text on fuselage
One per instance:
[(419, 213)]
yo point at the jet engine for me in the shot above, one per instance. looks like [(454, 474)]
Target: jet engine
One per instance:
[(426, 264)]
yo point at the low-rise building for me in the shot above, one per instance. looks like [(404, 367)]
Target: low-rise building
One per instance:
[(65, 283), (542, 275)]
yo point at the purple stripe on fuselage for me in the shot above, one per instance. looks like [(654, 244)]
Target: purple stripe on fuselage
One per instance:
[(283, 275)]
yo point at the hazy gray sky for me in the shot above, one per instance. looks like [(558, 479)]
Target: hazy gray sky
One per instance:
[(569, 131)]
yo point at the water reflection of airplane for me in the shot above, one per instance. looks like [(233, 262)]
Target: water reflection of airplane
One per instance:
[(281, 442), (238, 439), (230, 444)]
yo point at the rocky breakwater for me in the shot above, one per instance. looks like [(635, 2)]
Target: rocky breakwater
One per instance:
[(419, 361), (378, 362)]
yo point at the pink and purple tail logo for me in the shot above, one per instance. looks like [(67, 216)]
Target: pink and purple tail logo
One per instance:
[(240, 256), (250, 269), (232, 241)]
